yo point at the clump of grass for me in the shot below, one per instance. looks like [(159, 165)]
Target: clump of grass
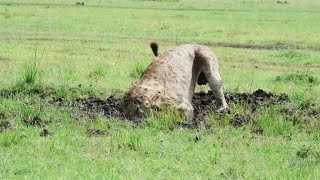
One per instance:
[(298, 78), (293, 55), (11, 138), (134, 140), (164, 119), (303, 114), (71, 72), (307, 153), (30, 72), (62, 90), (66, 90), (99, 71), (137, 70), (274, 123)]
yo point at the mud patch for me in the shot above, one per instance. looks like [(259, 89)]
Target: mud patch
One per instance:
[(203, 104), (110, 107)]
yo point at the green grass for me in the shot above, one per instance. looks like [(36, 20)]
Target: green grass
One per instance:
[(57, 49)]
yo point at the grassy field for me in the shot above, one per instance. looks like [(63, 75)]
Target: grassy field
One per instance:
[(56, 49)]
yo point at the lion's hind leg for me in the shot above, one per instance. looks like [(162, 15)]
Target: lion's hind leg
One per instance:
[(216, 87), (210, 70)]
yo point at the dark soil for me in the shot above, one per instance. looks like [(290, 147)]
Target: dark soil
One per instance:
[(45, 133), (203, 103), (110, 107)]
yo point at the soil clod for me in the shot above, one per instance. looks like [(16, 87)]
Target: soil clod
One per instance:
[(44, 133)]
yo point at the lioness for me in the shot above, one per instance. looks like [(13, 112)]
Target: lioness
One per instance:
[(171, 78)]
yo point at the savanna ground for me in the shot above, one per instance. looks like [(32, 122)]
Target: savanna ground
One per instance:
[(53, 53)]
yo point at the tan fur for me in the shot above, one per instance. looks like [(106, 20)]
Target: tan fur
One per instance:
[(171, 79)]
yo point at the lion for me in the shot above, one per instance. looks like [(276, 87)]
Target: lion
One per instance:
[(170, 80)]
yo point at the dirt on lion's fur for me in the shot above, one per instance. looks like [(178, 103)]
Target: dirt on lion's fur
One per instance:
[(203, 104)]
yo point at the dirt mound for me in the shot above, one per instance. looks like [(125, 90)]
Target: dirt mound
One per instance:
[(203, 103), (110, 107)]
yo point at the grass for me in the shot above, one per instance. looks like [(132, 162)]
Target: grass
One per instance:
[(137, 70), (299, 78), (100, 48)]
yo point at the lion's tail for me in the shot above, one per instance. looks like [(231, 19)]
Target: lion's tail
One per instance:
[(154, 46)]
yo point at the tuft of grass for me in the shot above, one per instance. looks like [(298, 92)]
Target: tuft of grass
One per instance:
[(11, 138), (30, 72), (293, 55), (62, 90), (98, 72), (162, 120), (307, 154), (71, 72), (273, 123), (298, 78), (137, 70), (134, 140)]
